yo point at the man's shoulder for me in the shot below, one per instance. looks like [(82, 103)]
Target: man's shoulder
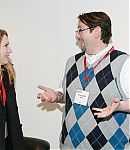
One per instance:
[(121, 52), (76, 57), (117, 53)]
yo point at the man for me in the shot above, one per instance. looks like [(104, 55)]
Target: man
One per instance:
[(92, 80)]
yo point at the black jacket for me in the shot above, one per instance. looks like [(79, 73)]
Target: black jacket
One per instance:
[(9, 113)]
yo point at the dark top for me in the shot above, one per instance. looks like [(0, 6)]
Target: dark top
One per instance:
[(9, 114)]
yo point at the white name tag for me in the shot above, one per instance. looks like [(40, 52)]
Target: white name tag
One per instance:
[(81, 97)]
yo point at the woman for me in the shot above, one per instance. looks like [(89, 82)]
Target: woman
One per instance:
[(11, 136)]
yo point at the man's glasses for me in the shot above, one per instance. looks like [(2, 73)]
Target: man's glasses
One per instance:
[(81, 30)]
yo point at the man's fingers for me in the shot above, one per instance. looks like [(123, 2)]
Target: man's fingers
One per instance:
[(44, 97), (47, 95), (97, 109), (39, 96), (42, 87), (43, 100), (97, 114), (100, 115)]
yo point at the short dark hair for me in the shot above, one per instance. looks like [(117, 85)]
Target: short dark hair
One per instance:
[(101, 19)]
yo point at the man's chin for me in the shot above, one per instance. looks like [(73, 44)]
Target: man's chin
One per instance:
[(83, 49)]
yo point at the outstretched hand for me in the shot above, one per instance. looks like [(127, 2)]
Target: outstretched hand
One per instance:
[(107, 111), (48, 95)]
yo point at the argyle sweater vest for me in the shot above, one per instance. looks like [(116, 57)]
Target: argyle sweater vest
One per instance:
[(81, 129)]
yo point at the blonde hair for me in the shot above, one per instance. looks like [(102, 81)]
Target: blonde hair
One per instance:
[(9, 67)]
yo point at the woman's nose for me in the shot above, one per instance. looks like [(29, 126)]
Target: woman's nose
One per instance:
[(10, 50)]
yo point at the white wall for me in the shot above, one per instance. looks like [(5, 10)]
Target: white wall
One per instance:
[(42, 35)]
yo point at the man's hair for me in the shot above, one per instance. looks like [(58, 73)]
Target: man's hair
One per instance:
[(101, 19)]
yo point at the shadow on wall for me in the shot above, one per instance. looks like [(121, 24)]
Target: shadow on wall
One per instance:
[(50, 106)]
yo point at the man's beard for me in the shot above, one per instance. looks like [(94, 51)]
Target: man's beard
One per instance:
[(80, 44)]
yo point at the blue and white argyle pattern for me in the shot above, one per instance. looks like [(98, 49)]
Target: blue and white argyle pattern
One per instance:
[(81, 129)]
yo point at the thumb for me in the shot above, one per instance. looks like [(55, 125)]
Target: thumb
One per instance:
[(116, 100)]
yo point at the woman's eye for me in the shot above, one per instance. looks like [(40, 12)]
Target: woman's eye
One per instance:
[(6, 45)]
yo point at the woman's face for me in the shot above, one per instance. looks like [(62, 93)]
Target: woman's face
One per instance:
[(5, 51)]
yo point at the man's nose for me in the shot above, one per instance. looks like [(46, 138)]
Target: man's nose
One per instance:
[(77, 37)]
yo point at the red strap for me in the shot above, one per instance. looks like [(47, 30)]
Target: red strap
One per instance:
[(3, 92), (85, 64)]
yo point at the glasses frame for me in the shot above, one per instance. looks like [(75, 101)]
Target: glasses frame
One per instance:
[(81, 30)]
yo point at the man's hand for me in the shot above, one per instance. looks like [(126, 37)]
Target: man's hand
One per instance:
[(48, 95), (107, 111)]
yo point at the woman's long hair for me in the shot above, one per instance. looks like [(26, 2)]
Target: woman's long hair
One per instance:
[(9, 67)]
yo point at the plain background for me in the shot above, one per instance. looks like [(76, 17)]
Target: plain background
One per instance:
[(42, 36)]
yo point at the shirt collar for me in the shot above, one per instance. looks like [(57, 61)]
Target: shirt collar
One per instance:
[(92, 58)]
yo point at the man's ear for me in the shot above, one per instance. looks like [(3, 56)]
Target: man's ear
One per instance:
[(97, 32)]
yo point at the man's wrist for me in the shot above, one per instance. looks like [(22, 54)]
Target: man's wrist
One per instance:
[(60, 96)]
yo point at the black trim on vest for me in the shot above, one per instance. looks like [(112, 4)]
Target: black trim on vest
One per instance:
[(114, 54), (77, 56)]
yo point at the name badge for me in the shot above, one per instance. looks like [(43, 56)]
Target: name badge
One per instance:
[(81, 97)]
